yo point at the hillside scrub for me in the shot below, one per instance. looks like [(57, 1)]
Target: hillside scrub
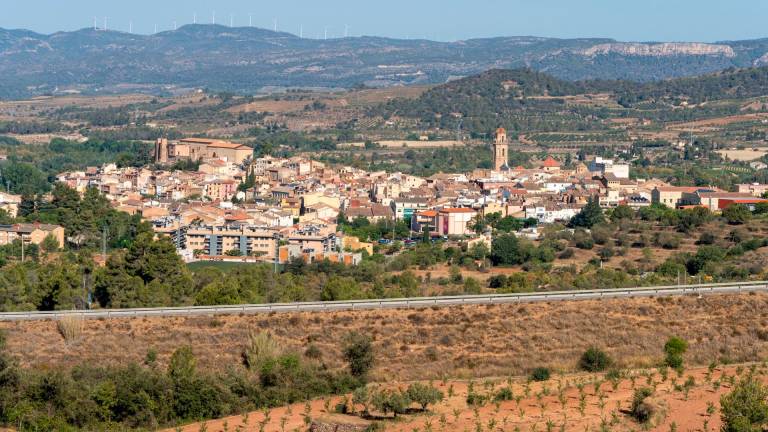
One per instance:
[(94, 397)]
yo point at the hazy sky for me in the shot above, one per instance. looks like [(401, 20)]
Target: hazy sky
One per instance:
[(630, 20)]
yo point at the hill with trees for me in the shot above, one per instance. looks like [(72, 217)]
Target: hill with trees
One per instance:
[(529, 100)]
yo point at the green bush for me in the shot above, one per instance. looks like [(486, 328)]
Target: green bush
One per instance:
[(424, 395), (504, 394), (674, 349), (540, 374), (745, 408), (358, 352), (594, 360)]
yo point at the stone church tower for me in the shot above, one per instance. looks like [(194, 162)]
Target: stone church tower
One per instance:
[(500, 150)]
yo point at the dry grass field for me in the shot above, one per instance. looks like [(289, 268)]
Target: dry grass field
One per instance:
[(430, 343), (569, 402), (743, 155)]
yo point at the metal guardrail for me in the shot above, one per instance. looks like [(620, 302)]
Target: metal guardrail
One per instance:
[(413, 302)]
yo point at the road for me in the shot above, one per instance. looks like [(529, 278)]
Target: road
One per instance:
[(415, 302)]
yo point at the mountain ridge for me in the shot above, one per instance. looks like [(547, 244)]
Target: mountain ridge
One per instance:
[(247, 59)]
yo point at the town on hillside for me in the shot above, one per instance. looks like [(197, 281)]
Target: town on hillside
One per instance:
[(237, 208)]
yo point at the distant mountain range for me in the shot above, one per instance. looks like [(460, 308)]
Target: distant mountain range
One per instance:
[(248, 60)]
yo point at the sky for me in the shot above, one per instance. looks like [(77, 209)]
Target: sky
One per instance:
[(444, 20)]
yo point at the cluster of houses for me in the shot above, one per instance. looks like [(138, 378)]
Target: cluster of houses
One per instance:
[(278, 209)]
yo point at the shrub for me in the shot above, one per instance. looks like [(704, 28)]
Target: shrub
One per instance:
[(745, 408), (601, 234), (540, 374), (594, 360), (497, 281), (70, 327), (606, 253), (707, 238), (261, 349), (566, 253), (640, 409), (667, 240), (504, 394), (737, 214), (313, 352), (358, 352), (673, 351), (582, 240)]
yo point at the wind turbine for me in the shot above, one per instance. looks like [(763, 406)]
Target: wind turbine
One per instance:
[(213, 18), (301, 31), (346, 30), (250, 20), (274, 21), (130, 27), (194, 17), (95, 24), (231, 20), (105, 23)]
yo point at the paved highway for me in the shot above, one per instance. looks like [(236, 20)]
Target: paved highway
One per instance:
[(415, 302)]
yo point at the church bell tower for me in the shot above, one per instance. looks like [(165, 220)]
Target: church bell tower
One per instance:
[(500, 150)]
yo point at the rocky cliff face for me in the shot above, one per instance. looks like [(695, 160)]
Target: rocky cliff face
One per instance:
[(660, 49)]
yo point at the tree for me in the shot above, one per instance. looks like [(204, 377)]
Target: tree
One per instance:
[(507, 250), (595, 360), (622, 212), (674, 349), (737, 214), (340, 288), (50, 244), (361, 397), (358, 352), (589, 216), (745, 408), (424, 395)]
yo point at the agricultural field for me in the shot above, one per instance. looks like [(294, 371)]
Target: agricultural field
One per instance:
[(686, 401)]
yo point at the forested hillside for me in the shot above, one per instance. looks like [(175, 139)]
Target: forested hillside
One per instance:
[(536, 101)]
